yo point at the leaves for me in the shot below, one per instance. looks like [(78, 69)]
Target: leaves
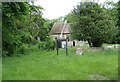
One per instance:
[(90, 21), (22, 23)]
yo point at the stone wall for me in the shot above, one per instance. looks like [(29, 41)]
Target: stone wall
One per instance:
[(79, 51), (77, 43)]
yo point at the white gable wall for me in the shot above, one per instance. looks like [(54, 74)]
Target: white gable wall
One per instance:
[(59, 36)]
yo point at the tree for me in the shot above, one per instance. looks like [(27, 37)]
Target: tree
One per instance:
[(118, 22), (11, 34), (19, 28), (112, 10), (49, 23), (68, 17), (92, 23)]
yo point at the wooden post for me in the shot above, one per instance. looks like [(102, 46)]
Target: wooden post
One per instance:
[(57, 49), (66, 48), (56, 45)]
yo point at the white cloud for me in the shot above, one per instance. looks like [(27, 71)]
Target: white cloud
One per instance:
[(56, 8)]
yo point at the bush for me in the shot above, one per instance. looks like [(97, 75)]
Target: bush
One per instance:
[(30, 48), (14, 50), (47, 45), (114, 40)]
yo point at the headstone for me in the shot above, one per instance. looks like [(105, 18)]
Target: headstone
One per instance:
[(79, 51), (95, 49), (108, 47), (116, 46)]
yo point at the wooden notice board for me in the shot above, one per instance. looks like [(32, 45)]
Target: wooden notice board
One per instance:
[(62, 43)]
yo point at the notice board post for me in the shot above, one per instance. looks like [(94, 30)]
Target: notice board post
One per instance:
[(61, 43), (66, 48)]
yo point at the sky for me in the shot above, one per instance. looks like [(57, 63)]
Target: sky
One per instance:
[(57, 8)]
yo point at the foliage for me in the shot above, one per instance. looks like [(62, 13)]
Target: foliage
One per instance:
[(47, 45), (11, 37), (92, 23), (118, 22), (22, 24), (112, 8), (37, 24), (49, 23), (68, 17)]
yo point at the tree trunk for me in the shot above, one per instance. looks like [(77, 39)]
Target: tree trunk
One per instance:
[(37, 25), (89, 42), (30, 24)]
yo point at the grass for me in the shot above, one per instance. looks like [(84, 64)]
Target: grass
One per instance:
[(108, 44), (42, 65)]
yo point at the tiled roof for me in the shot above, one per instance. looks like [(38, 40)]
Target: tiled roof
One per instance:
[(58, 27)]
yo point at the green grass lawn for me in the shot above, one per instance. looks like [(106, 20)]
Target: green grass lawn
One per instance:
[(43, 65)]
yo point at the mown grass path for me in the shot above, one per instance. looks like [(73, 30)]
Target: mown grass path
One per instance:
[(42, 65)]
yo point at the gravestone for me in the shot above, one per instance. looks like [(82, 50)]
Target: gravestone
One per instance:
[(79, 51), (95, 49)]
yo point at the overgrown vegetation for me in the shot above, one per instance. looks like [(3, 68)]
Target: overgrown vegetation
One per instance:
[(42, 65), (47, 45), (26, 37), (23, 24)]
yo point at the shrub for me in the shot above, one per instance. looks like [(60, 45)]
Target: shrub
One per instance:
[(47, 45), (14, 50)]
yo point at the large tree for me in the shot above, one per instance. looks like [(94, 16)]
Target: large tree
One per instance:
[(21, 24), (118, 36), (112, 9), (11, 34), (92, 23)]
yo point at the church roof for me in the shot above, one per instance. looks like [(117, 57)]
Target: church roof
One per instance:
[(58, 27)]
